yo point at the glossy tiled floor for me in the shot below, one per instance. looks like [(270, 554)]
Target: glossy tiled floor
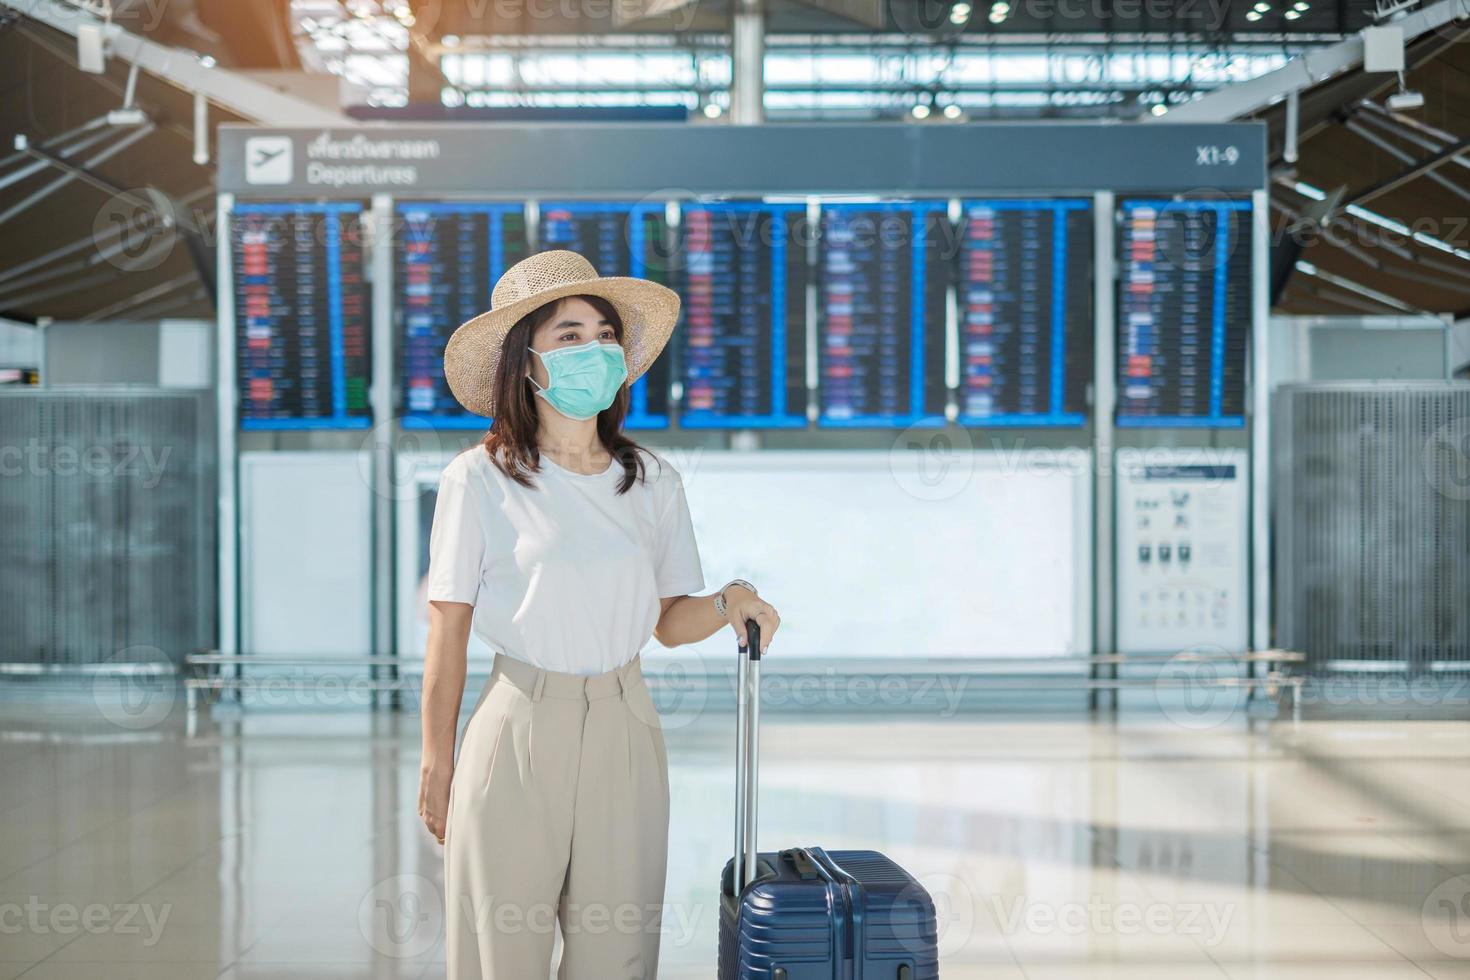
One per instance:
[(284, 845)]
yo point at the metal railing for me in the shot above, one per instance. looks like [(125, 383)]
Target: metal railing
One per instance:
[(1268, 672)]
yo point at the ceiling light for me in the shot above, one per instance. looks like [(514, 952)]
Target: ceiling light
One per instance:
[(951, 111), (921, 111), (1261, 8), (959, 13), (1252, 15), (712, 111), (1292, 14), (1301, 5), (1159, 109)]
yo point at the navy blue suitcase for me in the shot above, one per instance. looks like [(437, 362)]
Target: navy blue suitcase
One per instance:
[(805, 913)]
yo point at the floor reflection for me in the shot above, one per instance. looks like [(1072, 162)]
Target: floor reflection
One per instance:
[(285, 844)]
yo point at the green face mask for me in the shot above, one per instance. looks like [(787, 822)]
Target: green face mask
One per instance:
[(584, 379)]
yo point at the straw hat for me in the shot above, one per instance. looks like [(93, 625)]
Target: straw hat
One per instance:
[(472, 356)]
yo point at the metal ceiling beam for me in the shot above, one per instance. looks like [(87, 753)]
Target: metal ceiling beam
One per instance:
[(1407, 128), (1346, 301), (128, 139), (1422, 271), (1372, 233), (239, 94), (83, 174), (154, 309), (28, 170), (1362, 132), (1419, 169), (1359, 289), (1302, 72)]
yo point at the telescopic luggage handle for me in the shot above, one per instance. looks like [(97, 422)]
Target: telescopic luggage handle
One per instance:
[(747, 754)]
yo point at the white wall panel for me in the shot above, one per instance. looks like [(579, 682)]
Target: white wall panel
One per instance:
[(901, 554), (305, 554), (866, 554)]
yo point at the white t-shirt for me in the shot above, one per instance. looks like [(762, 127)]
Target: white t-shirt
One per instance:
[(566, 575)]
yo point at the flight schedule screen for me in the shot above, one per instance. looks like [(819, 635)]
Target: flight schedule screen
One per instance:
[(883, 274), (301, 316), (1024, 311), (620, 239), (744, 315), (447, 258), (1184, 312)]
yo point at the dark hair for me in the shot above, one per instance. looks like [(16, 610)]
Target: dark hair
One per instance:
[(511, 441)]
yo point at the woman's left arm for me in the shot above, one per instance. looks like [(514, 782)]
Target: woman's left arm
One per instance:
[(691, 618)]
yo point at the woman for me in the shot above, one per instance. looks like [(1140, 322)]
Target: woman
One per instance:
[(564, 545)]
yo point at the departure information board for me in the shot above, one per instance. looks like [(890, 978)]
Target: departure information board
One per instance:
[(620, 239), (1184, 312), (447, 258), (744, 315), (301, 316), (1024, 302), (883, 274)]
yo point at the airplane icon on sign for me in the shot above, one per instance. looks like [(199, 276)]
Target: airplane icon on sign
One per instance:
[(268, 160)]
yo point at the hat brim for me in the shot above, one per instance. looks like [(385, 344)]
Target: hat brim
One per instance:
[(649, 311)]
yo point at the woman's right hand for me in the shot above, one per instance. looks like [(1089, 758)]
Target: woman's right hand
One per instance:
[(434, 799)]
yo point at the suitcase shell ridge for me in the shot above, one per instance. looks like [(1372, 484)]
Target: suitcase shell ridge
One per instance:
[(791, 923)]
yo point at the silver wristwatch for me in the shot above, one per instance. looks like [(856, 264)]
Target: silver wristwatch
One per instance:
[(720, 595)]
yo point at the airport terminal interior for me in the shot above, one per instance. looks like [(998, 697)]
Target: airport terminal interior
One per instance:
[(1084, 384)]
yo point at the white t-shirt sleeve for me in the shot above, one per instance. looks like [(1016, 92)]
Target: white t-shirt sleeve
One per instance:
[(456, 541), (676, 560)]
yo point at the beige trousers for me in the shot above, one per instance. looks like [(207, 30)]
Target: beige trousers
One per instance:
[(558, 818)]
